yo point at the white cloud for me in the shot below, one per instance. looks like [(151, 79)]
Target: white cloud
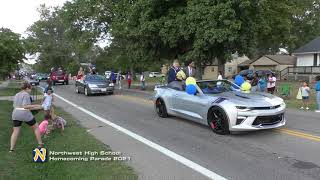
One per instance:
[(18, 15)]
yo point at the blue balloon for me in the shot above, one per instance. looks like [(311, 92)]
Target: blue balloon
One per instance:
[(239, 80), (191, 89)]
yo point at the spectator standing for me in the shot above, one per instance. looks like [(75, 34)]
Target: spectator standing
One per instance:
[(220, 76), (305, 93), (190, 71), (317, 88), (142, 80), (113, 77), (129, 79), (21, 113), (271, 85)]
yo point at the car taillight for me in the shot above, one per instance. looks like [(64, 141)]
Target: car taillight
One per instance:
[(54, 77)]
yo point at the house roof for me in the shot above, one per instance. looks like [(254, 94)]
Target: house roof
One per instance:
[(245, 63), (311, 47), (280, 59), (283, 59)]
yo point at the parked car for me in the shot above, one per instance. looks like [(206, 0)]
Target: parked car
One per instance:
[(42, 76), (59, 77), (155, 74), (94, 84), (264, 72), (222, 106), (249, 73), (33, 76)]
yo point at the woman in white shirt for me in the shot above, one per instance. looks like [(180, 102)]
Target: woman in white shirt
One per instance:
[(271, 86), (220, 76)]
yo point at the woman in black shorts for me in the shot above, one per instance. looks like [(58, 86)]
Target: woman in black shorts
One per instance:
[(21, 113)]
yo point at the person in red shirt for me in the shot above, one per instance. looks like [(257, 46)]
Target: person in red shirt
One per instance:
[(129, 79)]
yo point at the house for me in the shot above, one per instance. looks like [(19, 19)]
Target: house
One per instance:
[(309, 54), (269, 62), (230, 68)]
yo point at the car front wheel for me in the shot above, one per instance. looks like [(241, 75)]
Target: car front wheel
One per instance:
[(161, 108), (218, 121)]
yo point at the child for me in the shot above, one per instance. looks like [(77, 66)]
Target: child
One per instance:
[(47, 102), (305, 93), (43, 126), (317, 88), (271, 85), (57, 121), (262, 84)]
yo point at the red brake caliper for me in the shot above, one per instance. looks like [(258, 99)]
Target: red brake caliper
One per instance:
[(213, 125)]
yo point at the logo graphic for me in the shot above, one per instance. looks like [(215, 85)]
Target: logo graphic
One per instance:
[(39, 155)]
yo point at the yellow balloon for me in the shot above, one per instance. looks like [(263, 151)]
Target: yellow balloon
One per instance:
[(245, 86), (191, 80)]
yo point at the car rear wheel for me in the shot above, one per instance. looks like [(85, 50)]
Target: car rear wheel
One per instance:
[(86, 92), (218, 121), (77, 89), (161, 108)]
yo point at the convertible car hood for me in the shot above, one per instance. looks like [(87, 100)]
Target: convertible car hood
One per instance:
[(252, 99)]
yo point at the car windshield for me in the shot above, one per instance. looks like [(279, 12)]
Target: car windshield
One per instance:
[(58, 73), (216, 87), (95, 78)]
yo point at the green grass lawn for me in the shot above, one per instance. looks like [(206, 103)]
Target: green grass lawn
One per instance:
[(19, 165), (153, 80), (11, 90), (291, 101)]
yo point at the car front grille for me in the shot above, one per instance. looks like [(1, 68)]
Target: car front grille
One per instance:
[(102, 85), (268, 120), (266, 108)]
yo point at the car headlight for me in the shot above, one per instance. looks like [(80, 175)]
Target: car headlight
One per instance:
[(92, 85), (111, 84), (243, 108), (283, 104)]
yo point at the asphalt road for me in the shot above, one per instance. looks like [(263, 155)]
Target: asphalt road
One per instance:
[(291, 153)]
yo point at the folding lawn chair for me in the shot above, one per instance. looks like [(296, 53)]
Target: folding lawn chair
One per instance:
[(285, 90)]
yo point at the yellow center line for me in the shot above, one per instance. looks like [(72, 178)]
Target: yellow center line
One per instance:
[(299, 134), (281, 130)]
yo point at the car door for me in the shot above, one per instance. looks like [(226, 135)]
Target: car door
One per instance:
[(193, 107)]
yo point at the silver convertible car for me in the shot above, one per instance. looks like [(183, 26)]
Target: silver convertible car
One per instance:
[(222, 106)]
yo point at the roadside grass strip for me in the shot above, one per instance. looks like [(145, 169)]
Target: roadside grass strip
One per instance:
[(19, 164)]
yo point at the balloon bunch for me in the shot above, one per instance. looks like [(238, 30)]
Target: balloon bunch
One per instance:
[(191, 85), (244, 85)]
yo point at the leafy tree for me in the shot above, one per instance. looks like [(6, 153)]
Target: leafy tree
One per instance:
[(11, 51)]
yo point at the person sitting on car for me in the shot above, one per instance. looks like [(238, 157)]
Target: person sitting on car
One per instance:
[(80, 74), (172, 74)]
